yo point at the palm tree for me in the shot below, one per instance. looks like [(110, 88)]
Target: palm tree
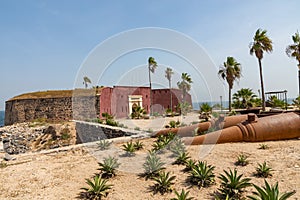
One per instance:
[(245, 96), (169, 72), (231, 71), (151, 67), (261, 42), (185, 84), (86, 80), (293, 50)]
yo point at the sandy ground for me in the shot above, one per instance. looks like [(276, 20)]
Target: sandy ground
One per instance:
[(60, 175)]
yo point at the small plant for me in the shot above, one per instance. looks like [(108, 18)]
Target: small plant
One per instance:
[(129, 147), (108, 167), (3, 165), (232, 185), (150, 130), (174, 124), (269, 193), (97, 188), (153, 165), (242, 160), (138, 145), (263, 146), (176, 146), (158, 146), (202, 174), (182, 196), (263, 170), (65, 134), (163, 182), (137, 128), (104, 144), (189, 165), (182, 158)]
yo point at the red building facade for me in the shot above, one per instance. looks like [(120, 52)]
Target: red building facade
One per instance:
[(119, 100)]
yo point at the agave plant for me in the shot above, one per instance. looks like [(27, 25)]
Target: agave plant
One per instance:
[(176, 146), (189, 165), (202, 174), (232, 184), (104, 144), (97, 188), (138, 145), (242, 160), (159, 146), (182, 196), (269, 193), (263, 146), (263, 170), (152, 166), (108, 167), (182, 158), (163, 182), (129, 147)]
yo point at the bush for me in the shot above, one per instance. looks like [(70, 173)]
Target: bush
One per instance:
[(202, 174), (104, 144), (242, 160), (163, 182), (182, 196), (97, 188), (152, 166), (263, 170), (129, 147), (108, 167)]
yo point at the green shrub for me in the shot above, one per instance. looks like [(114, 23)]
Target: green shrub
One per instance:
[(242, 160), (202, 174), (152, 166), (104, 144), (108, 167), (182, 196), (263, 170), (163, 182), (138, 145), (182, 158), (189, 165), (129, 147), (269, 193), (97, 188)]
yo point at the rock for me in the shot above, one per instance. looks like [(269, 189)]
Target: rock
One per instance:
[(8, 157)]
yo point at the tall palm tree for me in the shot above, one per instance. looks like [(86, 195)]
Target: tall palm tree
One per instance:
[(231, 71), (185, 84), (293, 50), (151, 68), (169, 72), (86, 81), (245, 96), (261, 43)]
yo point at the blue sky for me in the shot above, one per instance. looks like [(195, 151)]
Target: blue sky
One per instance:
[(44, 43)]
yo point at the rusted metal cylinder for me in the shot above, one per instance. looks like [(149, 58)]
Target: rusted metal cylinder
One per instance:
[(221, 122), (276, 127)]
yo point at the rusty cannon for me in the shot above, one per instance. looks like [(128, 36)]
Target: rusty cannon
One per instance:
[(221, 122), (275, 127)]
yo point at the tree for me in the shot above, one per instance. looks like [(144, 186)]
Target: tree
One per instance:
[(185, 84), (231, 71), (151, 68), (261, 43), (244, 98), (86, 80), (293, 51), (169, 72)]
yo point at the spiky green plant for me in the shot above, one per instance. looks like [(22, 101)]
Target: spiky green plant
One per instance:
[(182, 196), (263, 170), (202, 174), (163, 182), (104, 144), (152, 166), (129, 147), (109, 166), (242, 160), (158, 146), (182, 158), (269, 193), (97, 188), (263, 146), (138, 145), (232, 184), (189, 165), (176, 146)]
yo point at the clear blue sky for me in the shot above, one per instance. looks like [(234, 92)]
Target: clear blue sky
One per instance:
[(44, 43)]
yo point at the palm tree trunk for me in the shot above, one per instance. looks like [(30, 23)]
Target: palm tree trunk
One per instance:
[(229, 99), (171, 106), (262, 86), (150, 91)]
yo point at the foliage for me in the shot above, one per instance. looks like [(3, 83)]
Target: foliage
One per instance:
[(137, 112), (230, 71), (263, 170), (138, 145), (137, 128), (183, 108), (108, 167), (176, 146), (296, 102), (205, 111), (97, 188), (65, 134), (293, 50), (202, 174), (184, 85), (242, 160), (174, 124), (263, 146), (152, 64), (182, 196), (275, 102), (163, 182), (104, 144), (3, 164), (153, 165), (109, 119), (269, 193), (189, 165), (129, 147), (232, 185), (244, 98), (182, 158), (168, 74)]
